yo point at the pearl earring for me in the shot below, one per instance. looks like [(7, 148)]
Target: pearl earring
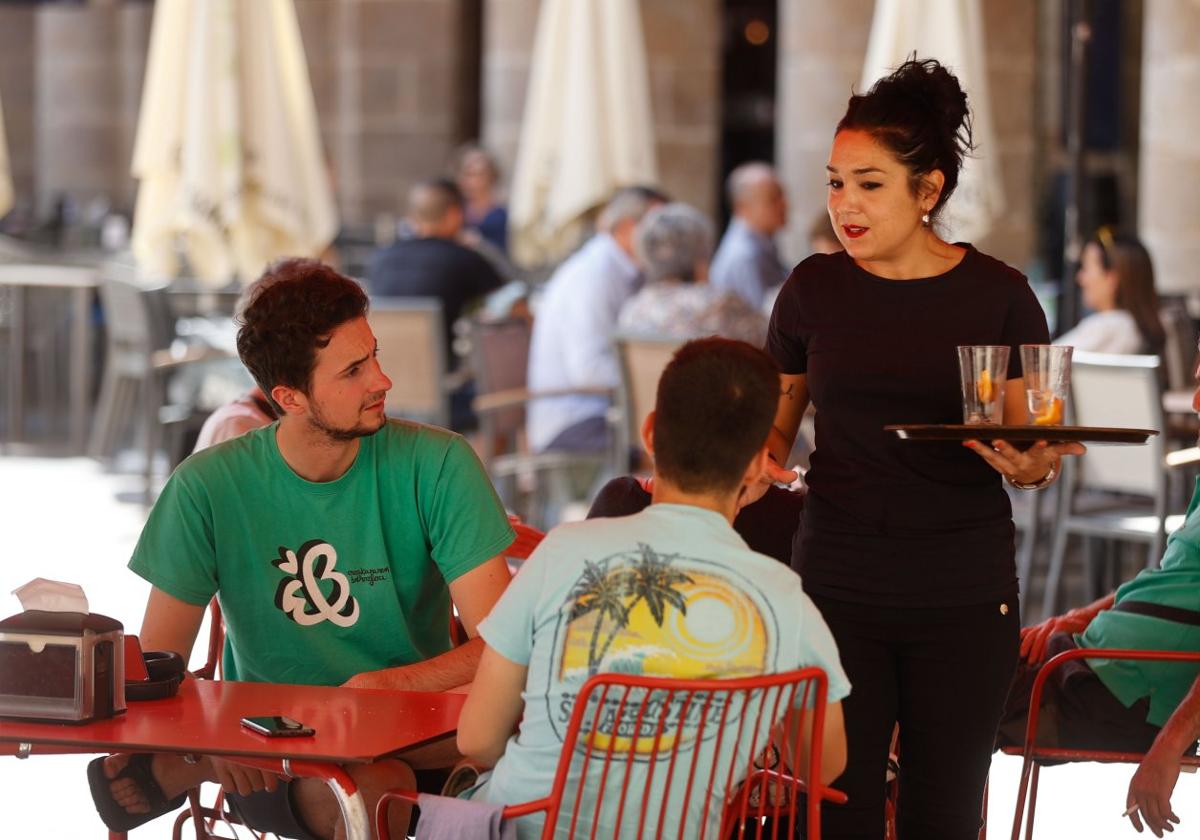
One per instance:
[(925, 219)]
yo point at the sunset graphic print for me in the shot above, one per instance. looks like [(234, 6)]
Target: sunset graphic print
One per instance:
[(646, 613)]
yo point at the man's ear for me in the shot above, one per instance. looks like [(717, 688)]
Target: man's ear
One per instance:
[(291, 400), (757, 466), (648, 434)]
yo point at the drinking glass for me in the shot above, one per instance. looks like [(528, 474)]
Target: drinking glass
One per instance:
[(1047, 372), (983, 369)]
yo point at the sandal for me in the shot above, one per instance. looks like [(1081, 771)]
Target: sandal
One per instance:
[(115, 817)]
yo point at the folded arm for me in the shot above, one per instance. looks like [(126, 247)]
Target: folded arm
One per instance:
[(474, 594)]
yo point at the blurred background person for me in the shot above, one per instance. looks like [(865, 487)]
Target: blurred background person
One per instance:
[(477, 175), (674, 245), (432, 262), (747, 260), (571, 345), (822, 238), (1116, 277)]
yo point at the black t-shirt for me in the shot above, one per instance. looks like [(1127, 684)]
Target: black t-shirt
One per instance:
[(768, 526), (436, 268), (889, 521)]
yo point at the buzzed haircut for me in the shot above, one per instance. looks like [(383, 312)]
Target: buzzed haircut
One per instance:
[(745, 177), (430, 201), (715, 405), (288, 314)]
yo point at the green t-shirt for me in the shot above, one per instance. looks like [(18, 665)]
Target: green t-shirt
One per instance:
[(321, 581), (1176, 583)]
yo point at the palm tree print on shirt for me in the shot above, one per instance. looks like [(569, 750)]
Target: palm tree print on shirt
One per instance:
[(613, 595)]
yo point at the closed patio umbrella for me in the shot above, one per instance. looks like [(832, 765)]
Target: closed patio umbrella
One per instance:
[(6, 187), (952, 32), (587, 128), (228, 152)]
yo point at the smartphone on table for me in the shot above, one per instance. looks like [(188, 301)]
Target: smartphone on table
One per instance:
[(277, 726)]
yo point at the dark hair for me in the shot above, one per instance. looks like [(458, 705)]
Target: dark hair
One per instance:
[(920, 114), (715, 405), (1126, 256), (287, 315)]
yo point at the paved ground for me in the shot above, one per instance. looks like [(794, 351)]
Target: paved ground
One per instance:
[(60, 519)]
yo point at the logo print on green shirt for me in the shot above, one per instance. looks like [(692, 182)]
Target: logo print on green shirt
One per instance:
[(300, 595)]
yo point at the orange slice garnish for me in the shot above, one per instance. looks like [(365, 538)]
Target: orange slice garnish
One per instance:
[(1052, 416), (985, 389)]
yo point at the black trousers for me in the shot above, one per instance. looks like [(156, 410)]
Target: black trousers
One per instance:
[(1078, 711), (943, 675)]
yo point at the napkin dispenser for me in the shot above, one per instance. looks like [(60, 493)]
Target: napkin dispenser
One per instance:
[(61, 666)]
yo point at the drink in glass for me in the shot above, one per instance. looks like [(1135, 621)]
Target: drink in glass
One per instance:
[(1047, 372), (983, 369)]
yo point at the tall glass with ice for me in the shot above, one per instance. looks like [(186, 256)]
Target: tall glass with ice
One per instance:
[(983, 368), (1047, 372)]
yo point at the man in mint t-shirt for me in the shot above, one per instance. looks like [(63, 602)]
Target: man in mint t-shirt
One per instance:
[(716, 608), (334, 539)]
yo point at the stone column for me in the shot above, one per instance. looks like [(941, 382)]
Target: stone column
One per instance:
[(821, 50), (89, 64), (684, 54), (386, 82), (1168, 199), (17, 74)]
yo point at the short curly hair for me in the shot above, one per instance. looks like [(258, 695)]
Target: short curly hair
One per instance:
[(287, 315)]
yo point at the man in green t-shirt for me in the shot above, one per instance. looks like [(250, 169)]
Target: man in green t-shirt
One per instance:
[(335, 541), (1124, 705)]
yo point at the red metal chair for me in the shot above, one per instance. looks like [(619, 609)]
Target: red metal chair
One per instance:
[(1034, 756), (687, 786)]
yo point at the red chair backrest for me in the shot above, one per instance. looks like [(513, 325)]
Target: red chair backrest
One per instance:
[(660, 757)]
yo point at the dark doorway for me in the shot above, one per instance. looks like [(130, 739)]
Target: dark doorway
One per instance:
[(748, 49)]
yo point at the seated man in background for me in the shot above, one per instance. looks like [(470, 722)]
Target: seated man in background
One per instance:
[(715, 404), (747, 262), (1114, 704), (674, 244), (398, 518), (433, 263), (571, 344)]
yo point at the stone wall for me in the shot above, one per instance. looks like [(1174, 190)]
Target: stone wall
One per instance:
[(70, 82), (1168, 197), (684, 52), (821, 54), (386, 80)]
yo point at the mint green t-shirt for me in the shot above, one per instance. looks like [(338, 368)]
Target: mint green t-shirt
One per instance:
[(1175, 583), (321, 581), (692, 601)]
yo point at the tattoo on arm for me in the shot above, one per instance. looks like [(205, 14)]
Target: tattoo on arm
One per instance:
[(790, 393)]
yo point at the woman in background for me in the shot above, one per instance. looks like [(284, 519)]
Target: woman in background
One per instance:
[(1117, 280)]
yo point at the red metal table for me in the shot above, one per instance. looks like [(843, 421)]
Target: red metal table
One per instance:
[(352, 726)]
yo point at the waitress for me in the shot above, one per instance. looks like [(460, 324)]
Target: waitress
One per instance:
[(906, 548)]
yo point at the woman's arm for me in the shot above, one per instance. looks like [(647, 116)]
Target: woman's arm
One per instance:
[(793, 402)]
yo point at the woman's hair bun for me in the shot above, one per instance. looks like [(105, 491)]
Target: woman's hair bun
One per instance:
[(920, 113)]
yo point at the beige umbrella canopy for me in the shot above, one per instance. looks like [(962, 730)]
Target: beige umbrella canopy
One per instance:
[(6, 187), (228, 152), (952, 32), (588, 128)]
